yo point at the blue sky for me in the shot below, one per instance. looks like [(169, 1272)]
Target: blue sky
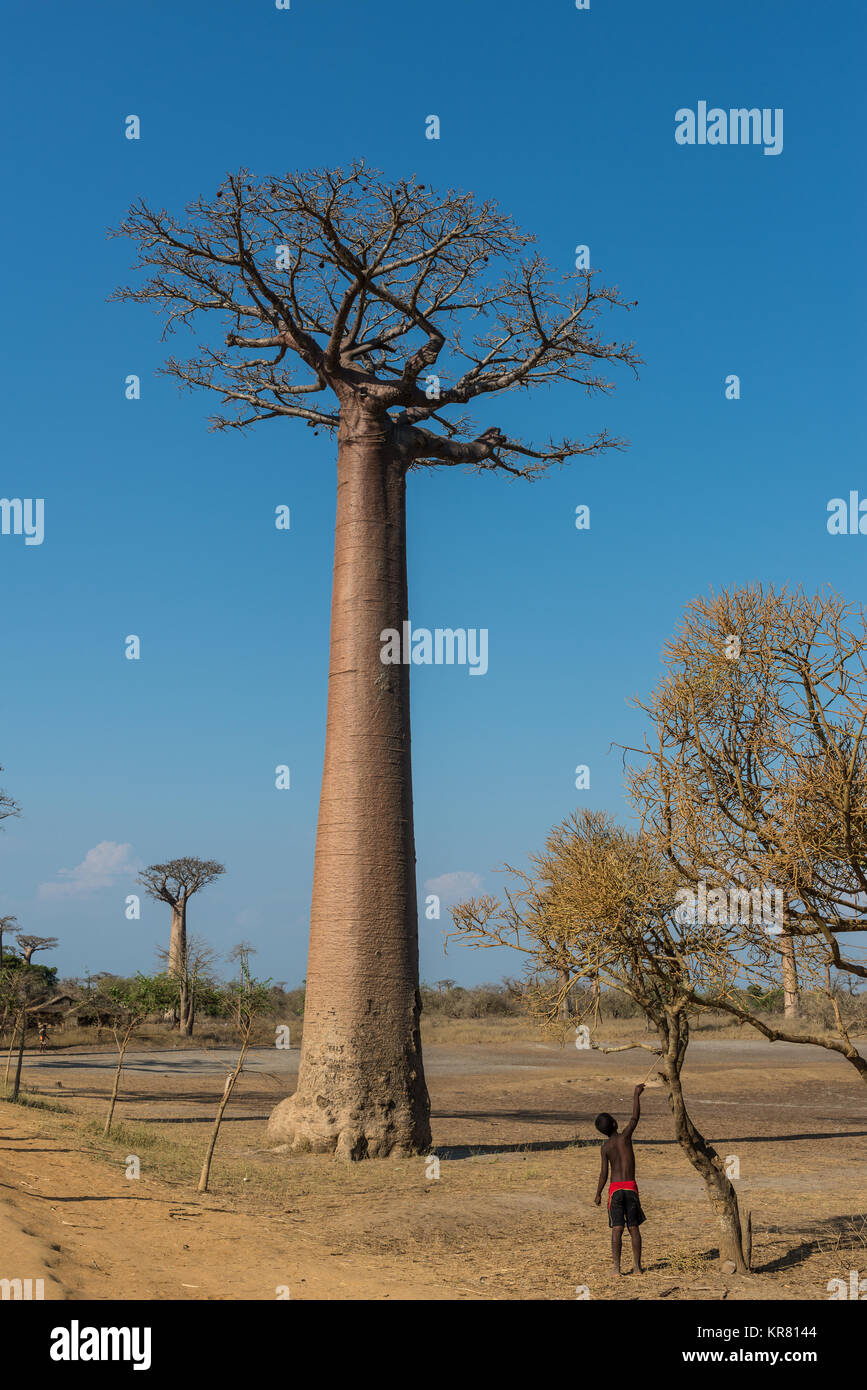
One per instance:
[(741, 263)]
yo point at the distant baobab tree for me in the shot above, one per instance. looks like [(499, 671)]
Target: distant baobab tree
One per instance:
[(29, 945), (174, 883), (378, 311)]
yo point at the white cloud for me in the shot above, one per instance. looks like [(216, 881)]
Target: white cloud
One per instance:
[(101, 867), (451, 888)]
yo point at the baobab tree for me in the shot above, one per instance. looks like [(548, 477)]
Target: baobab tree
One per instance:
[(29, 945), (174, 883), (378, 311)]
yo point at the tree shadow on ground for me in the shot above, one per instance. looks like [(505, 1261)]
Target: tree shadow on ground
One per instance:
[(189, 1119), (830, 1236), (571, 1117), (458, 1151)]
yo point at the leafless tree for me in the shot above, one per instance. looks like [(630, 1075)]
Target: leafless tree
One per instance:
[(174, 883), (380, 312), (128, 1004), (243, 1001), (240, 955), (196, 977)]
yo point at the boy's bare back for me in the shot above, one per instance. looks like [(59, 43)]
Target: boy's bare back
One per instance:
[(621, 1156)]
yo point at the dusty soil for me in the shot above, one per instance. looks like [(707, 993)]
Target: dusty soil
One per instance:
[(510, 1214)]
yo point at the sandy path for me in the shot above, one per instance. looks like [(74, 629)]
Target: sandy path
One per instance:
[(90, 1232)]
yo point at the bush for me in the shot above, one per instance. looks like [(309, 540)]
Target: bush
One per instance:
[(450, 1000)]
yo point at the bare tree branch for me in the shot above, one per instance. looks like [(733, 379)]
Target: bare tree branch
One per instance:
[(367, 283)]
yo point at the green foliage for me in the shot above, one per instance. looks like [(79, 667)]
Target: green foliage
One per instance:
[(770, 1001), (289, 1003), (208, 1002), (21, 983), (143, 995), (244, 1000), (46, 975)]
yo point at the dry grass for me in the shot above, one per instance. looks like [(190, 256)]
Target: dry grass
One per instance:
[(852, 1235), (436, 1027), (684, 1261), (36, 1102)]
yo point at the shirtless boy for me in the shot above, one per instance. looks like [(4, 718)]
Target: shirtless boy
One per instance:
[(624, 1208)]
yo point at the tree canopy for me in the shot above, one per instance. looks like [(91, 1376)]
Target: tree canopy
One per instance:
[(369, 285), (178, 879)]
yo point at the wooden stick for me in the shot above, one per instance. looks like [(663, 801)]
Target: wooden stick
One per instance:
[(654, 1063)]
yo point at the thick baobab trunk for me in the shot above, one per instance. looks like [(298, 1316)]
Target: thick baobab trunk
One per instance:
[(734, 1242), (361, 1088), (178, 965), (178, 939), (791, 989)]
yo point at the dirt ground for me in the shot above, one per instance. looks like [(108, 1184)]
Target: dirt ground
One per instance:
[(510, 1214)]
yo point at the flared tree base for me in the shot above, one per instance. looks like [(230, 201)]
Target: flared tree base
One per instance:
[(311, 1122)]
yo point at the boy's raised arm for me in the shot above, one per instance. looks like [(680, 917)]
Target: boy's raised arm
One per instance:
[(636, 1112)]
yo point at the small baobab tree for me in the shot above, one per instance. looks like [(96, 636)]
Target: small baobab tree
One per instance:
[(174, 883), (381, 312)]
